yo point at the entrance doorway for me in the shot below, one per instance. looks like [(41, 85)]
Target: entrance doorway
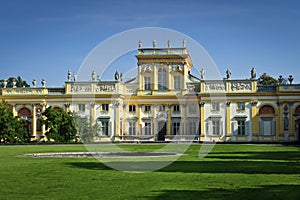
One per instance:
[(162, 129)]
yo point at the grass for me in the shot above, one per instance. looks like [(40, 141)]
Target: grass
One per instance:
[(228, 172)]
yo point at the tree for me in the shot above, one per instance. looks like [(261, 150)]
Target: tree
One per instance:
[(12, 128), (19, 82), (60, 125), (265, 79), (85, 129)]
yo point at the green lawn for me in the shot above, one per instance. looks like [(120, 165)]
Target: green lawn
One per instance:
[(228, 172)]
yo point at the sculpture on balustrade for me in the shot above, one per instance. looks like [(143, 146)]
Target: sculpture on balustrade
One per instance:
[(75, 77), (140, 44), (228, 73), (93, 75), (69, 75), (202, 72), (117, 76), (34, 83), (43, 83), (253, 73)]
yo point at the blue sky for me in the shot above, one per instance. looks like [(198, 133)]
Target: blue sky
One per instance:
[(44, 39)]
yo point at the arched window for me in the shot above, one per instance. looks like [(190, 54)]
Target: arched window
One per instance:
[(267, 121), (24, 112), (266, 110), (162, 79)]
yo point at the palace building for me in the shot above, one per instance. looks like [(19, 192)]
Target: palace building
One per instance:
[(166, 102)]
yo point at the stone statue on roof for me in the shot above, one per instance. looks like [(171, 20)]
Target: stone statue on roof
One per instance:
[(228, 73), (202, 73), (253, 73)]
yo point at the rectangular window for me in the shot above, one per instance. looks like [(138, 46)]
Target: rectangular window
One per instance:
[(192, 108), (147, 128), (191, 127), (132, 130), (161, 108), (81, 107), (175, 128), (147, 108), (104, 127), (216, 127), (240, 106), (104, 107), (215, 106), (147, 84), (241, 127), (176, 82), (176, 108), (131, 108)]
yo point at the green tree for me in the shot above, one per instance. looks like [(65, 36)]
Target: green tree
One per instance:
[(85, 129), (12, 128), (266, 79), (19, 82), (60, 125)]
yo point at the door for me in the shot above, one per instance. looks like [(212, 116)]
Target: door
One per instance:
[(162, 128)]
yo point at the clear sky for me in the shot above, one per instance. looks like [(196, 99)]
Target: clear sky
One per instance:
[(44, 39)]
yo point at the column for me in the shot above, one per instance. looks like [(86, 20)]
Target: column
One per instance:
[(155, 80), (255, 120), (43, 126), (154, 120), (228, 117), (292, 121), (202, 124), (93, 114), (184, 119), (139, 125), (279, 121), (124, 120), (169, 119), (117, 119), (33, 121), (14, 110)]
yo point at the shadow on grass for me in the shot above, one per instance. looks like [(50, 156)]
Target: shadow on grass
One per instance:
[(274, 155), (246, 167), (263, 192)]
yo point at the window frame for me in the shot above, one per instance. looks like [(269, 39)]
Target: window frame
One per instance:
[(177, 83)]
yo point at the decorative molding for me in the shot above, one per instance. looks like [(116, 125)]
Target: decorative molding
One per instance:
[(241, 86)]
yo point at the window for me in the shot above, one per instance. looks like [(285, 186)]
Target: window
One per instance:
[(147, 85), (215, 106), (104, 107), (147, 128), (131, 108), (175, 128), (161, 108), (104, 127), (162, 79), (176, 82), (241, 127), (240, 106), (191, 127), (147, 108), (81, 107), (216, 127), (192, 108), (131, 130), (176, 108)]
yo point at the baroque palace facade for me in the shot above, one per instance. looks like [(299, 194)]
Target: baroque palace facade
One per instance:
[(165, 102)]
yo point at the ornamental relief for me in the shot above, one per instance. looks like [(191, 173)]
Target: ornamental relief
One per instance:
[(147, 68), (214, 87), (83, 88), (24, 91), (237, 86)]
